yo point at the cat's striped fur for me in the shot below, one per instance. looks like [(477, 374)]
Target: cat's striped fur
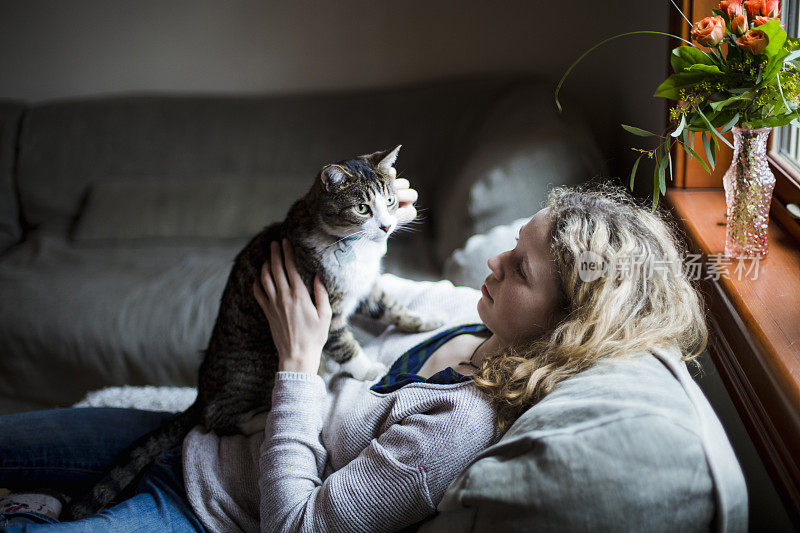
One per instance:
[(332, 233)]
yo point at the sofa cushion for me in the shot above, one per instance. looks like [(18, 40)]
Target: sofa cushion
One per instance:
[(79, 317), (168, 208), (10, 229), (74, 319), (626, 446), (468, 267)]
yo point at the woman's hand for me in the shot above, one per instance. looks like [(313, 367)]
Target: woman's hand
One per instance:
[(406, 196), (299, 327)]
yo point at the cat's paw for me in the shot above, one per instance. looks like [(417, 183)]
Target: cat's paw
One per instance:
[(374, 371), (415, 324), (431, 323), (363, 368)]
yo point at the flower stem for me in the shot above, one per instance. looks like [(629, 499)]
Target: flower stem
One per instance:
[(575, 63)]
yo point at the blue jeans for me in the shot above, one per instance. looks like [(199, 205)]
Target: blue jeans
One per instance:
[(67, 449)]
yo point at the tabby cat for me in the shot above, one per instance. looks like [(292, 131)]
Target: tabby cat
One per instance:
[(339, 230)]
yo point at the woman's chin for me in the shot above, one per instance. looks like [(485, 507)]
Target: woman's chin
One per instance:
[(481, 308)]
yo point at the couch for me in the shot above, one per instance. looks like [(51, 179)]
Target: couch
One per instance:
[(121, 214)]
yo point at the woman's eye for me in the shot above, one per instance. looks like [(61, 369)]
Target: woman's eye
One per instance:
[(362, 209), (520, 271), (391, 200)]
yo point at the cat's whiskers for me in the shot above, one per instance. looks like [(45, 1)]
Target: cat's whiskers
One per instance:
[(360, 232)]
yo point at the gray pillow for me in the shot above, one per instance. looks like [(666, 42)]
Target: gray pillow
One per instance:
[(523, 149), (630, 445), (467, 266), (165, 208)]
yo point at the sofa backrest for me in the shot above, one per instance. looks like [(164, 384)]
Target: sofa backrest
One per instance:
[(10, 229), (481, 152), (66, 146)]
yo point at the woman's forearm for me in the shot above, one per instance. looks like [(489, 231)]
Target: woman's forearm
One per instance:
[(292, 456)]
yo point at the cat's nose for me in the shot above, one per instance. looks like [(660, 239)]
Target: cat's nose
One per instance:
[(386, 228)]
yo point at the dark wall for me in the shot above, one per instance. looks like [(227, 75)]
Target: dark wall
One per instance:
[(52, 49)]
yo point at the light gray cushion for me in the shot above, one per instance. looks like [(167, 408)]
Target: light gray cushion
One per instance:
[(74, 319), (627, 446), (164, 208), (467, 266)]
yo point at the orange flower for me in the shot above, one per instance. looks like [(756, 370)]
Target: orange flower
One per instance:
[(739, 24), (754, 41), (709, 31), (765, 8), (759, 20), (732, 8)]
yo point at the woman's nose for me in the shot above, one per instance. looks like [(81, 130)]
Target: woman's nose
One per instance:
[(495, 265)]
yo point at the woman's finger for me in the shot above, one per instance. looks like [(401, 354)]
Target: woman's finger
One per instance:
[(407, 196), (278, 273), (321, 300), (401, 183), (266, 282), (291, 267), (261, 298)]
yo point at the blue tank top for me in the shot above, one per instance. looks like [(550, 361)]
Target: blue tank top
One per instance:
[(405, 368)]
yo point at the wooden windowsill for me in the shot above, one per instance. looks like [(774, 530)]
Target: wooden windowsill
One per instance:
[(755, 333)]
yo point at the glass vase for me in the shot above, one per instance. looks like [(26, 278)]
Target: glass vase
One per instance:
[(748, 192)]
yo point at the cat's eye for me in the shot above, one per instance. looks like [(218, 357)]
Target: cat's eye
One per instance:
[(391, 200), (362, 209)]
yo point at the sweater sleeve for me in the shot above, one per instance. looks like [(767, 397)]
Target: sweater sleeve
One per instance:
[(396, 481)]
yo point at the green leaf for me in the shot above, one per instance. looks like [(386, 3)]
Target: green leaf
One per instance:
[(780, 88), (714, 150), (712, 128), (776, 35), (655, 196), (709, 153), (772, 122), (684, 57), (662, 167), (730, 124), (670, 88), (638, 131), (708, 69), (791, 56), (744, 97), (633, 172), (680, 127), (685, 136), (696, 156), (655, 181), (669, 167)]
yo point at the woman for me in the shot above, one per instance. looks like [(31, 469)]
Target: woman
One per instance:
[(374, 457)]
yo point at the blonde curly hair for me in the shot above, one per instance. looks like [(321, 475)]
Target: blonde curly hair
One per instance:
[(642, 300)]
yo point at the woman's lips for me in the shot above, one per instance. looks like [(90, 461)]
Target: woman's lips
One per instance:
[(485, 292)]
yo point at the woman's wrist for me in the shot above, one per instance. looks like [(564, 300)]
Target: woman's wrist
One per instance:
[(305, 364)]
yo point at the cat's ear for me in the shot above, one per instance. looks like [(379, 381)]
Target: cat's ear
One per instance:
[(384, 161), (332, 176)]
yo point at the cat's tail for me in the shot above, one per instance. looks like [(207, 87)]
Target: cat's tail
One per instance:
[(130, 463)]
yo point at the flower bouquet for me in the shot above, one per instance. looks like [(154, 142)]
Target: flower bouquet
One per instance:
[(741, 72)]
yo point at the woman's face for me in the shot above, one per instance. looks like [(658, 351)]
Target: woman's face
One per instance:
[(521, 297)]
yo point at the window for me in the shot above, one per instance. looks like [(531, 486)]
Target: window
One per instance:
[(787, 139)]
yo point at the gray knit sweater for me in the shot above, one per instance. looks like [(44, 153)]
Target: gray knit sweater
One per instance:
[(341, 457)]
